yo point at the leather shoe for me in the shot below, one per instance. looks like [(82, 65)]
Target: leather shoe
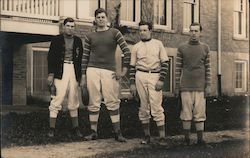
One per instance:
[(119, 137), (146, 140), (51, 133), (76, 132), (92, 136)]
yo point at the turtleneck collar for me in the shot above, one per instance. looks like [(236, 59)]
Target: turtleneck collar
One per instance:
[(146, 40), (194, 41)]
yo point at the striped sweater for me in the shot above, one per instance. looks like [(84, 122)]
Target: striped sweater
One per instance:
[(193, 67), (100, 47)]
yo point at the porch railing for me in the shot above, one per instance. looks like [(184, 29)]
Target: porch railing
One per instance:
[(33, 9)]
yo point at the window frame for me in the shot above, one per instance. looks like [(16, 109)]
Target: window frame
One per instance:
[(85, 13), (34, 49), (244, 76), (168, 15), (195, 15), (243, 11), (137, 15)]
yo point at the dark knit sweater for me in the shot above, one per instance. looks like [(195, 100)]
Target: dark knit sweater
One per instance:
[(100, 47), (193, 68)]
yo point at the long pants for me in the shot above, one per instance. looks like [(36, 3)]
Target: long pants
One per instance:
[(65, 86), (151, 100)]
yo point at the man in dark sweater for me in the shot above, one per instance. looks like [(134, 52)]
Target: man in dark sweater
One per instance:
[(98, 72), (193, 82), (64, 68)]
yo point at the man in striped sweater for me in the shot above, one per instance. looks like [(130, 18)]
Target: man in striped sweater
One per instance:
[(193, 81), (98, 72), (148, 68)]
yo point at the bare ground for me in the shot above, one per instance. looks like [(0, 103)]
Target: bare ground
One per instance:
[(172, 147)]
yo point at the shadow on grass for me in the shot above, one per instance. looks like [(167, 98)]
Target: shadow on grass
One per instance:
[(31, 128), (228, 149)]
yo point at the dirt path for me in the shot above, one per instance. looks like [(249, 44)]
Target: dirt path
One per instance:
[(105, 146)]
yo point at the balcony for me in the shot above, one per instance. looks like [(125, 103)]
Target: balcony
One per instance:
[(30, 16)]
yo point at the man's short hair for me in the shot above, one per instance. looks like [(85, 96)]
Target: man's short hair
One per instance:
[(100, 10), (196, 24), (68, 20), (150, 25)]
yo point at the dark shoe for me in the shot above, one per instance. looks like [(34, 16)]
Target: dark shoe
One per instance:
[(51, 133), (146, 140), (76, 132), (187, 141), (201, 142), (92, 136), (119, 137)]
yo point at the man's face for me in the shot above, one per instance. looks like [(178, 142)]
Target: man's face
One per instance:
[(195, 32), (69, 28), (101, 20), (144, 32)]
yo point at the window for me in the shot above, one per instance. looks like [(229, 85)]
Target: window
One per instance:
[(240, 76), (86, 8), (163, 14), (190, 13), (39, 72), (240, 17), (130, 12)]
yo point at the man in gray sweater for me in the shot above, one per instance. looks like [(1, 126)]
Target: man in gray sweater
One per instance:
[(193, 82)]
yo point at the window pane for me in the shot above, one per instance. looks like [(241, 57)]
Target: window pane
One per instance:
[(239, 75), (40, 72), (160, 12), (127, 10), (240, 23), (93, 5)]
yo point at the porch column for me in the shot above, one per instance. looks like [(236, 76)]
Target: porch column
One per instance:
[(19, 75)]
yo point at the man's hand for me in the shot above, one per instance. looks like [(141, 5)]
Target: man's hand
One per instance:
[(133, 90), (119, 76), (177, 93), (159, 85), (124, 71), (207, 91), (50, 79), (83, 82)]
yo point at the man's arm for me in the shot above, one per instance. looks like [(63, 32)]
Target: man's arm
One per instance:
[(164, 67), (124, 47), (85, 60), (178, 69), (208, 73), (51, 61), (132, 71)]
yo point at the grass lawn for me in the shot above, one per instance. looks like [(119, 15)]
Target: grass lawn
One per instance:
[(31, 128)]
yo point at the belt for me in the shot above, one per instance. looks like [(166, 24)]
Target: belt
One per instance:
[(68, 62), (148, 71)]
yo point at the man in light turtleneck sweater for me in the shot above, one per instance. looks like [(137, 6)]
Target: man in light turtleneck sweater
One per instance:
[(148, 68), (193, 81), (64, 69)]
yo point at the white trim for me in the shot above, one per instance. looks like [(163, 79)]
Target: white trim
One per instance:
[(84, 9), (32, 66), (244, 76), (168, 17), (187, 15), (171, 58), (137, 14), (243, 12)]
